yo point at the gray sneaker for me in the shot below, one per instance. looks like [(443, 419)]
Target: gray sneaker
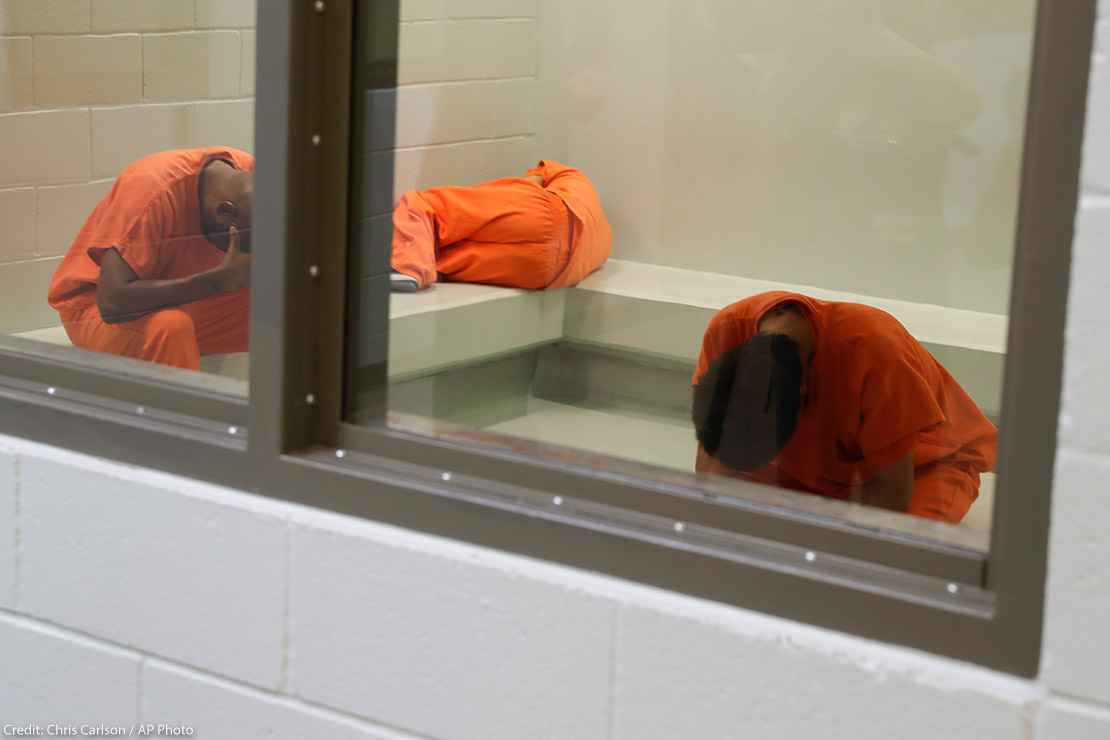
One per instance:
[(402, 283)]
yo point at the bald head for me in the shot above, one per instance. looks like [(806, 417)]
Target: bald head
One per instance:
[(228, 201)]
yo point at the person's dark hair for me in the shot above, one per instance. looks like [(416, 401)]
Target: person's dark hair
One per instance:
[(746, 405)]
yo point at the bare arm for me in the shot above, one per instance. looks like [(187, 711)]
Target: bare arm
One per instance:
[(891, 487), (706, 463), (121, 296)]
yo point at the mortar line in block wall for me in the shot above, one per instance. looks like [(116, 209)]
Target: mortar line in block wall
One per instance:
[(70, 631), (187, 31), (89, 35), (92, 147), (76, 107), (155, 103), (467, 81), (460, 142), (146, 660), (172, 31), (537, 51), (17, 524), (1085, 702), (239, 82), (93, 107), (142, 67), (1029, 714), (290, 700), (107, 642), (1077, 447), (238, 97), (394, 732), (1094, 455), (1094, 199), (140, 671), (287, 618), (614, 638), (471, 19), (12, 263), (35, 250)]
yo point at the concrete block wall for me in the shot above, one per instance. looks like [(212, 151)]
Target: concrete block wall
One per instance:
[(466, 105), (87, 87), (465, 112), (161, 600), (1077, 640)]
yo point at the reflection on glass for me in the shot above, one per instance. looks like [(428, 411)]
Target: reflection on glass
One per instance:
[(830, 188), (127, 181)]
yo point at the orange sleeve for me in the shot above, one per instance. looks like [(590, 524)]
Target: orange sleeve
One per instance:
[(141, 242), (896, 399), (722, 334), (735, 324)]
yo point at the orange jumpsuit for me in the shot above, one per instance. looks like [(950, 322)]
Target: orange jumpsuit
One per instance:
[(512, 232), (152, 217), (873, 395)]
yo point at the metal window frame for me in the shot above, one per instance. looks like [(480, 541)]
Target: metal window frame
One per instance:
[(848, 578)]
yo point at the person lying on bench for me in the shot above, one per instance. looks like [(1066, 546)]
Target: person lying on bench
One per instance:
[(160, 270), (544, 230), (839, 400)]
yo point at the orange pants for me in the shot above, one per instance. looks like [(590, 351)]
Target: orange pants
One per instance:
[(172, 336), (512, 232)]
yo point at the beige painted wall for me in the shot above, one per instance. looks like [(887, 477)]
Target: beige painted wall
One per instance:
[(466, 109), (724, 136), (88, 86), (855, 145)]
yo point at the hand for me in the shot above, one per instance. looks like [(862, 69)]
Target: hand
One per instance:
[(234, 273)]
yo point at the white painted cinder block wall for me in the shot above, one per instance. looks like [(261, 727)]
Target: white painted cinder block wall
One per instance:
[(127, 595), (466, 108), (86, 88)]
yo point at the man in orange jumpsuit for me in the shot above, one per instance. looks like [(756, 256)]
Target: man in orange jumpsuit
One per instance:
[(839, 400), (160, 270), (544, 230)]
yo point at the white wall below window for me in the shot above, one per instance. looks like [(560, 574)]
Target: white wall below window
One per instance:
[(239, 615)]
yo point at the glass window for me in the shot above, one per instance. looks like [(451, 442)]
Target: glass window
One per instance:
[(126, 134), (759, 241)]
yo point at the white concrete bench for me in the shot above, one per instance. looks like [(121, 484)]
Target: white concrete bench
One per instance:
[(663, 311), (452, 324), (637, 307)]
